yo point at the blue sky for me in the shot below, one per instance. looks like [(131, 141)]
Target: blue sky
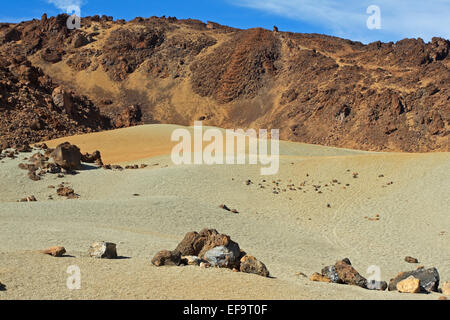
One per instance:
[(344, 18)]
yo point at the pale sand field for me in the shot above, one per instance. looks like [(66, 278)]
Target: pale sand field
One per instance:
[(290, 232)]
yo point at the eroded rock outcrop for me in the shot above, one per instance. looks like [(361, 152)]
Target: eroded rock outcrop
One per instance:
[(210, 248)]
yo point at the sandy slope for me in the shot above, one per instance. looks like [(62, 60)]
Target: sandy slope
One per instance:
[(290, 232)]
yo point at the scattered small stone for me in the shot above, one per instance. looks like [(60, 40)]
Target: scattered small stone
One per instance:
[(32, 175), (248, 182), (319, 278), (234, 211), (66, 192), (55, 251), (446, 288), (103, 250), (429, 279), (224, 207), (409, 285), (250, 264), (355, 175), (411, 260), (204, 265)]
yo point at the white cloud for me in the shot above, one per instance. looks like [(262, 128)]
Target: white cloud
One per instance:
[(347, 18), (66, 5)]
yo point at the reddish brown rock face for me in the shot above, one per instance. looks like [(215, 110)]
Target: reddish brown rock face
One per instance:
[(314, 88)]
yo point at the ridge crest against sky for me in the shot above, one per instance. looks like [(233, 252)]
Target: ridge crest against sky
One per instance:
[(346, 18)]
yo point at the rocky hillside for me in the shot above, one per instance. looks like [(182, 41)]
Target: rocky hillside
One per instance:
[(315, 88)]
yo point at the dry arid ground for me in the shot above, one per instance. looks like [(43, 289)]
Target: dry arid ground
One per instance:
[(293, 232)]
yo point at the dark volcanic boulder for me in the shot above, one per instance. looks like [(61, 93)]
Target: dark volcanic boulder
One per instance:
[(167, 258), (67, 156), (429, 279), (348, 275), (191, 244)]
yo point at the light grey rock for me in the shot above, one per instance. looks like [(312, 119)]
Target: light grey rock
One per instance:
[(103, 250), (222, 257)]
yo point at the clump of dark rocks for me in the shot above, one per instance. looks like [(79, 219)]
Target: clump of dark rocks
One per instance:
[(65, 158), (420, 280), (127, 167), (65, 191), (209, 248), (426, 280), (343, 272)]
